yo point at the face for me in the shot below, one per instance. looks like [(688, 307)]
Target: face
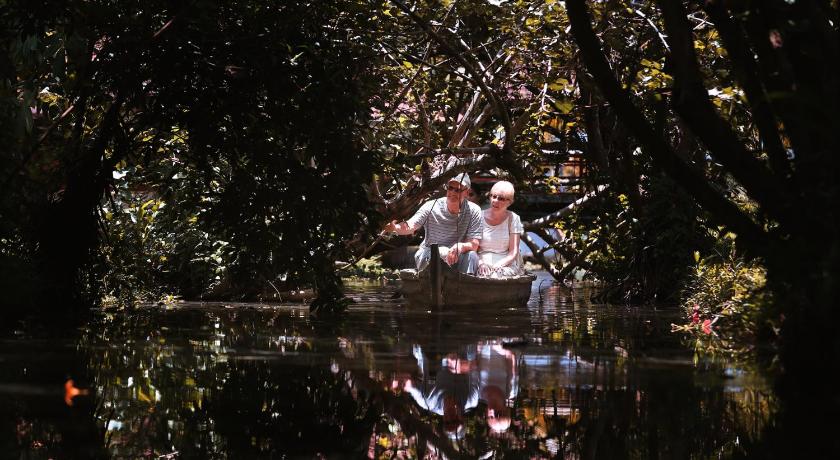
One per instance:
[(499, 199), (456, 191)]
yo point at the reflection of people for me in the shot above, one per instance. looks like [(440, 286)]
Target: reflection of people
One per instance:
[(499, 247), (498, 383), (451, 392), (453, 223)]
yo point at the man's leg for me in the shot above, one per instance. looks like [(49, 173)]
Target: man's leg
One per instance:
[(421, 258), (468, 263)]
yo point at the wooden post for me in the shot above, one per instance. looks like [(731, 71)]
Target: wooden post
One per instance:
[(435, 281)]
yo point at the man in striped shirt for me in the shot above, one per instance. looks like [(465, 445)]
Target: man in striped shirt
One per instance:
[(453, 223)]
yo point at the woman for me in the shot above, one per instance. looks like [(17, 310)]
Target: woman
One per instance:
[(498, 249)]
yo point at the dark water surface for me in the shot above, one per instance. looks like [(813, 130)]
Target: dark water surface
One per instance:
[(560, 378)]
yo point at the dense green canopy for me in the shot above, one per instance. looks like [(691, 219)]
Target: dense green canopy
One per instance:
[(207, 139), (211, 148)]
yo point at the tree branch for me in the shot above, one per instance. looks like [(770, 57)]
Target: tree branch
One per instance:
[(545, 221), (540, 257), (691, 101), (463, 124), (460, 56), (421, 188), (746, 71), (753, 236), (578, 259)]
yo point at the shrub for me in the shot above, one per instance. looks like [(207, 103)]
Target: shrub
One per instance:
[(724, 301)]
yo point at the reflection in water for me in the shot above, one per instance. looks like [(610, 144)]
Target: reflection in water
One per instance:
[(562, 377)]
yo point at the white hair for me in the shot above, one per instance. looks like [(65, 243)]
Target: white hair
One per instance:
[(504, 188)]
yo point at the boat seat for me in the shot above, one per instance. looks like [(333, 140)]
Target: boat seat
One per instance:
[(408, 274)]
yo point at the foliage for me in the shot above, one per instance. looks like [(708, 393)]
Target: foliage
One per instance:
[(190, 133), (725, 302), (202, 132), (758, 115), (367, 269), (643, 252)]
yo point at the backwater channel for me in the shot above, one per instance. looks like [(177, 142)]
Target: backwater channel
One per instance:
[(559, 378)]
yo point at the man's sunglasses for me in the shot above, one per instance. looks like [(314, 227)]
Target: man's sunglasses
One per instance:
[(452, 188)]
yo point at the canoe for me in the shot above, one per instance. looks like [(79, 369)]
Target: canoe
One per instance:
[(439, 284)]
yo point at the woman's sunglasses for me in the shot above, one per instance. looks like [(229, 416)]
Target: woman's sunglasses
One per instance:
[(499, 197)]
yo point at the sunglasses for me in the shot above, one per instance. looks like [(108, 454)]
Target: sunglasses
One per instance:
[(499, 197), (452, 188)]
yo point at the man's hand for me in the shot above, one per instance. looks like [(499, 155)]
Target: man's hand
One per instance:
[(452, 255), (390, 227), (397, 227)]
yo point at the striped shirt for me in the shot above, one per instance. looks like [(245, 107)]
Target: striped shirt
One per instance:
[(444, 228)]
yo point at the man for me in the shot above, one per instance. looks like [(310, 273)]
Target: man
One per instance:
[(449, 389), (454, 224)]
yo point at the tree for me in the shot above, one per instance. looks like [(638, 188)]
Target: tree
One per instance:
[(777, 56), (243, 118)]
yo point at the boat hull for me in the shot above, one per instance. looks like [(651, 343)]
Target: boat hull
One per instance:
[(458, 289)]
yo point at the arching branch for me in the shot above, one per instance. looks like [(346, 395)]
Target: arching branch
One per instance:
[(752, 236), (545, 221), (691, 102), (465, 58), (421, 188)]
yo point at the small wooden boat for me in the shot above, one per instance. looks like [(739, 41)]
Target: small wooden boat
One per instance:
[(439, 284)]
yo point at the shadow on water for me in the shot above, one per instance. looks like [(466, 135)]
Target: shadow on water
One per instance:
[(562, 377)]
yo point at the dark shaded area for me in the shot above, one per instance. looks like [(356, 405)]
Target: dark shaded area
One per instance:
[(242, 118), (779, 53), (577, 379), (37, 422)]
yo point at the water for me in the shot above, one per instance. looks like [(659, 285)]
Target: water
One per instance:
[(562, 378)]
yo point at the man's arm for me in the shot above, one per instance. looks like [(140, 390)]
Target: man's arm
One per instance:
[(469, 245), (459, 248), (411, 225), (400, 228)]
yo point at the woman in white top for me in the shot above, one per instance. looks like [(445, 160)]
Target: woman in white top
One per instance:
[(498, 249)]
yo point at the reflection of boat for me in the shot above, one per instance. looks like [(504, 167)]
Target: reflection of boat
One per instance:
[(439, 284)]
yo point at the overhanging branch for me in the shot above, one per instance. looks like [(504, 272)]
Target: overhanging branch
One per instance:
[(752, 236), (691, 101), (460, 56), (545, 221)]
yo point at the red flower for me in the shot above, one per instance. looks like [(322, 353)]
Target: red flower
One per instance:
[(70, 392), (707, 326), (695, 317)]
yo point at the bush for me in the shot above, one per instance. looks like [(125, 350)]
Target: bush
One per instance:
[(723, 301)]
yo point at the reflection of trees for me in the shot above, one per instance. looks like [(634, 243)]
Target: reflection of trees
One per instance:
[(596, 388), (35, 420), (250, 383), (597, 382), (593, 383)]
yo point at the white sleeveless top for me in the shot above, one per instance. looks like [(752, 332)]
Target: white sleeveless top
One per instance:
[(496, 238)]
